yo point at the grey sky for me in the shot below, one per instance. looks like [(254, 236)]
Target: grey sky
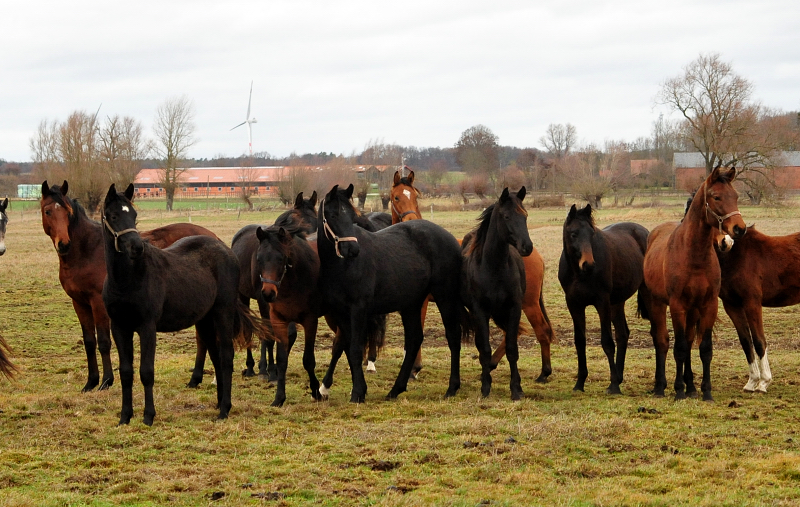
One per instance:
[(330, 76)]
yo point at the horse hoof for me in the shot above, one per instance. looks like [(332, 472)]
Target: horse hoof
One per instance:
[(194, 385), (277, 403), (613, 390), (248, 373), (485, 391), (542, 379), (708, 397), (680, 395), (516, 396), (692, 395), (578, 388), (658, 394), (357, 399), (89, 387), (450, 393), (106, 384)]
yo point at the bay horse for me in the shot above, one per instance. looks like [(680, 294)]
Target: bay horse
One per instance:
[(7, 368), (363, 274), (78, 241), (682, 271), (602, 268), (244, 245), (405, 206), (147, 290), (759, 270), (3, 223), (493, 280)]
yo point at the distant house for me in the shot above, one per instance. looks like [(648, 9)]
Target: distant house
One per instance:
[(212, 181), (643, 166), (690, 171)]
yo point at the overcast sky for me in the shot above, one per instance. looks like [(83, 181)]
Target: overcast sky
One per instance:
[(331, 75)]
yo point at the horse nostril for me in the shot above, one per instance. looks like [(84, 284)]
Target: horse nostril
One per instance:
[(269, 296)]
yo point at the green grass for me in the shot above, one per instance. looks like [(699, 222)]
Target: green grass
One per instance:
[(555, 447)]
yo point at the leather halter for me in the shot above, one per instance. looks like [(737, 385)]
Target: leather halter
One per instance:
[(329, 232), (277, 283), (720, 219), (404, 214), (115, 233)]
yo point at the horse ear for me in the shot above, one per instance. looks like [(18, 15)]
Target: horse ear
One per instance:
[(45, 188), (731, 174), (112, 193), (64, 188), (284, 236), (298, 201), (504, 195), (129, 192), (411, 177), (572, 212), (349, 191), (396, 178), (313, 199), (260, 234), (521, 193), (4, 205), (587, 209)]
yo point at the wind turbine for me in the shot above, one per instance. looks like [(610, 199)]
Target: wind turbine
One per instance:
[(248, 121)]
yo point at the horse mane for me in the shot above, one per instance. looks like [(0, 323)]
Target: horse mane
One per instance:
[(292, 224), (78, 211), (479, 233)]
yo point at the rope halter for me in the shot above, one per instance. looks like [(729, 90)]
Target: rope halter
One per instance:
[(277, 283), (115, 233), (329, 232)]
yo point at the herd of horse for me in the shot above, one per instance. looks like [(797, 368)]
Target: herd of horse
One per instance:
[(353, 269)]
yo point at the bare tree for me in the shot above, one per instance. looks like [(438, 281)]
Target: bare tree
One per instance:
[(44, 152), (77, 145), (295, 178), (247, 177), (174, 131), (478, 153), (559, 139), (122, 147)]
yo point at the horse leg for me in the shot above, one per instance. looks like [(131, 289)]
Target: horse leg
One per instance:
[(512, 351), (621, 335), (412, 331), (688, 373), (284, 347), (537, 316), (578, 314), (337, 349), (263, 363), (756, 325), (706, 328), (147, 345), (103, 326), (250, 364), (742, 325), (607, 341), (309, 358), (450, 311), (660, 335), (423, 315), (84, 313), (372, 355), (356, 336), (199, 362), (680, 349), (481, 323), (123, 338)]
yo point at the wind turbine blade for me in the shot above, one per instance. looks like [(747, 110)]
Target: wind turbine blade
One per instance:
[(249, 100), (239, 125), (98, 111)]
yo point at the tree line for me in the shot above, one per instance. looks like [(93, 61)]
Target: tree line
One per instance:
[(716, 116)]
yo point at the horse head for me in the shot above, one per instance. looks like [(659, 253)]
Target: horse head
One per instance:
[(306, 210), (403, 198), (272, 259), (514, 221), (3, 223), (578, 234), (119, 220), (57, 212), (338, 217), (721, 212)]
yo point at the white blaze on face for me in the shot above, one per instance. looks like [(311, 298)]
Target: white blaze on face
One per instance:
[(57, 206), (125, 209), (407, 193)]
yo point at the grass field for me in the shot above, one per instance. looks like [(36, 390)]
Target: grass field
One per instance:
[(555, 447)]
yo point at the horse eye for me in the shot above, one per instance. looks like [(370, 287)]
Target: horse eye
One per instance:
[(716, 198), (47, 212)]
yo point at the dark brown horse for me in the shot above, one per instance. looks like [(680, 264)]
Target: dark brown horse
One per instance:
[(78, 240), (493, 281), (147, 290), (759, 270), (3, 223), (404, 207), (682, 271), (602, 268)]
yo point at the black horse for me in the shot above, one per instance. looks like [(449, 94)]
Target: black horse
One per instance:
[(602, 268), (363, 274), (493, 280), (192, 283), (3, 223)]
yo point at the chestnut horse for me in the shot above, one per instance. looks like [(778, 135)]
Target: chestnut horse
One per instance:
[(3, 223), (759, 270), (404, 206), (682, 271), (78, 241), (602, 268)]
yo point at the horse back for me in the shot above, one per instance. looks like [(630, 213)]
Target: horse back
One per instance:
[(655, 258), (627, 243), (244, 246), (162, 237)]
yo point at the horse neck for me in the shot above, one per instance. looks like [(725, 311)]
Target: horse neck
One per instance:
[(495, 247), (695, 229), (86, 238), (121, 270)]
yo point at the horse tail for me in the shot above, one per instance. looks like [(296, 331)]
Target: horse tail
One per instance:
[(376, 331), (7, 368), (467, 326), (247, 324), (552, 336), (643, 309)]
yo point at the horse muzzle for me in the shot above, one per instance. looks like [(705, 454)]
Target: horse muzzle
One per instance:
[(2, 248), (62, 248), (739, 232), (269, 295), (526, 248)]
